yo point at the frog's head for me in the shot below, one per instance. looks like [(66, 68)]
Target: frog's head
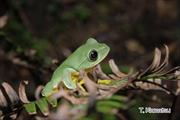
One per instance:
[(93, 53)]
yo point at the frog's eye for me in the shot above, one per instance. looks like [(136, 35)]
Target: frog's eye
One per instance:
[(93, 55)]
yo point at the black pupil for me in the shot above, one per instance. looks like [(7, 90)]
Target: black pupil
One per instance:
[(93, 55)]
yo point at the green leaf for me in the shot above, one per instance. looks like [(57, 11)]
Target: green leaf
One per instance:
[(125, 69), (119, 98), (107, 106), (30, 108), (114, 104), (104, 109)]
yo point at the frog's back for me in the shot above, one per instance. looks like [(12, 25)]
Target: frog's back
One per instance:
[(75, 59), (58, 73)]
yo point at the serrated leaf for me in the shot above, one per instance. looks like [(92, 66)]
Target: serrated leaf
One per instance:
[(120, 82), (115, 69)]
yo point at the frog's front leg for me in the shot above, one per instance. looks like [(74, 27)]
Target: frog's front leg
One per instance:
[(67, 79)]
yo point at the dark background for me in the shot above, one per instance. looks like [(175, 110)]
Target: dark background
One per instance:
[(35, 36)]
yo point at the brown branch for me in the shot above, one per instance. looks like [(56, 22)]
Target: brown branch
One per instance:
[(159, 85)]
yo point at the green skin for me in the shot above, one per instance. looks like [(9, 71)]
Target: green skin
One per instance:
[(80, 59)]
